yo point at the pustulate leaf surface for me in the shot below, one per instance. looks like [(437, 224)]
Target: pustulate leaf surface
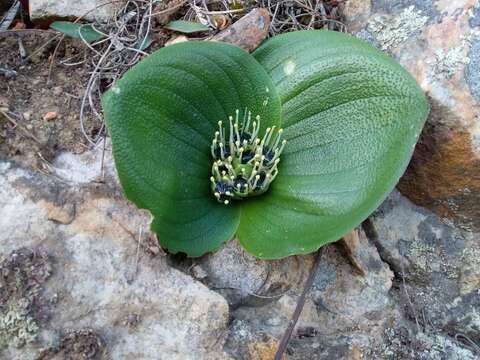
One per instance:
[(352, 116)]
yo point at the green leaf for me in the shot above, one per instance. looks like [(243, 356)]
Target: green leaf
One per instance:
[(162, 116), (352, 116), (186, 27), (74, 30)]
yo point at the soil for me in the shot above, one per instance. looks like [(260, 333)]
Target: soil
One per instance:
[(83, 344), (44, 105), (29, 96)]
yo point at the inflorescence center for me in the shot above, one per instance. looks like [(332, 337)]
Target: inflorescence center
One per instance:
[(243, 163)]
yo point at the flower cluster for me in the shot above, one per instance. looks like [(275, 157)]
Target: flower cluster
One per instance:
[(243, 163)]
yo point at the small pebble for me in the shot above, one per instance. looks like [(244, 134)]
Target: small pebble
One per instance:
[(176, 40), (27, 115), (50, 116), (155, 250), (198, 272), (57, 90)]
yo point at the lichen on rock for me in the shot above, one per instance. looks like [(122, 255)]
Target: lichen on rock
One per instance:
[(390, 32), (447, 62), (22, 275)]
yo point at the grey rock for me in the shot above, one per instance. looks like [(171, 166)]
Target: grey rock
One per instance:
[(341, 299), (472, 70), (438, 263), (365, 35), (437, 43), (58, 9), (427, 7), (234, 273), (244, 279), (101, 282), (401, 288), (475, 17)]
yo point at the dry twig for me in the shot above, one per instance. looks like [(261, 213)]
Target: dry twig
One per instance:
[(298, 310), (293, 15)]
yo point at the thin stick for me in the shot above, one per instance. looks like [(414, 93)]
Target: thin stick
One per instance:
[(135, 267), (298, 310), (102, 165), (40, 48), (169, 9), (12, 120), (52, 60)]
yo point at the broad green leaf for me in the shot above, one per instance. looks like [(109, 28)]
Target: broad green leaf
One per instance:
[(352, 116), (162, 116), (186, 27), (74, 30)]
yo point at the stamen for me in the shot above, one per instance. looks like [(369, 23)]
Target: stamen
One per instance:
[(221, 150), (269, 136), (231, 140), (222, 138), (277, 138), (257, 177), (265, 136)]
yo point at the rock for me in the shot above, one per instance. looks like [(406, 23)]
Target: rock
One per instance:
[(165, 10), (176, 39), (234, 272), (50, 116), (95, 291), (22, 275), (93, 287), (61, 214), (362, 254), (344, 297), (46, 10), (437, 266), (264, 349), (27, 115), (248, 32), (421, 346), (78, 344), (438, 43), (244, 279), (340, 300), (356, 13), (198, 272)]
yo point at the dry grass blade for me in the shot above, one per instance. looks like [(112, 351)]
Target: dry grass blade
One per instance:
[(298, 309), (7, 20), (9, 116), (126, 35), (294, 15)]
